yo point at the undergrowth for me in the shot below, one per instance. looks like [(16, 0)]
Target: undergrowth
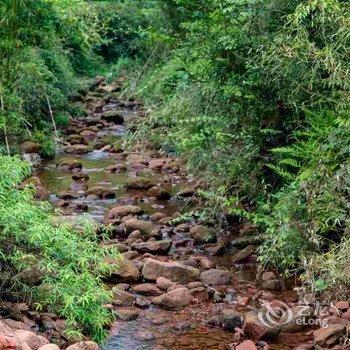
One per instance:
[(54, 265)]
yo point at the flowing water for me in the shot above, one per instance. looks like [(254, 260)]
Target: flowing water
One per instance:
[(154, 328)]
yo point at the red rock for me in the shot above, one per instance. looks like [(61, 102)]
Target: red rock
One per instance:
[(33, 340), (247, 345), (216, 277), (153, 247), (173, 271), (84, 345), (243, 254), (342, 305), (147, 289), (329, 335), (255, 328), (174, 300)]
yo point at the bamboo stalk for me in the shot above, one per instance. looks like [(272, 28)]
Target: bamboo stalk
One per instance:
[(51, 115), (4, 126)]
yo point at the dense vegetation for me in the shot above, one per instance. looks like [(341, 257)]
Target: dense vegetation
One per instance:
[(254, 94), (43, 46)]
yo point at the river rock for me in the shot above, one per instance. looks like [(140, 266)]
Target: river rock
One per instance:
[(243, 254), (153, 247), (173, 271), (50, 346), (77, 149), (230, 319), (255, 328), (75, 139), (16, 324), (157, 216), (30, 147), (124, 271), (33, 159), (200, 293), (33, 340), (40, 191), (174, 300), (158, 192), (123, 210), (88, 134), (69, 164), (145, 227), (269, 281), (139, 183), (123, 298), (147, 289), (127, 313), (216, 277), (84, 345), (100, 192), (201, 234), (246, 345), (67, 195), (113, 117), (116, 168), (205, 263), (163, 283), (296, 319), (186, 192), (328, 335)]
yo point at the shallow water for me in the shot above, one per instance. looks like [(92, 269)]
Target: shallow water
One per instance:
[(154, 329)]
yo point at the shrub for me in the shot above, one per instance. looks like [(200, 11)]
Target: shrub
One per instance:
[(39, 254)]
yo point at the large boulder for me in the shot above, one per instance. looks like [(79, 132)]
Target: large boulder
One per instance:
[(153, 247), (30, 147), (123, 271), (216, 277), (176, 299), (84, 345), (173, 271), (33, 340), (329, 335), (50, 346)]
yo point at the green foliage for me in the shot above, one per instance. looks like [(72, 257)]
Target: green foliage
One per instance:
[(255, 96), (41, 254), (43, 44)]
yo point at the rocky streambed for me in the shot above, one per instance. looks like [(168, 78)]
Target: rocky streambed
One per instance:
[(181, 284)]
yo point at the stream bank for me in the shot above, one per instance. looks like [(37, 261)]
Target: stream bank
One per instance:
[(181, 284)]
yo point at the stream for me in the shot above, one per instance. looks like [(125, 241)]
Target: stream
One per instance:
[(91, 174)]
